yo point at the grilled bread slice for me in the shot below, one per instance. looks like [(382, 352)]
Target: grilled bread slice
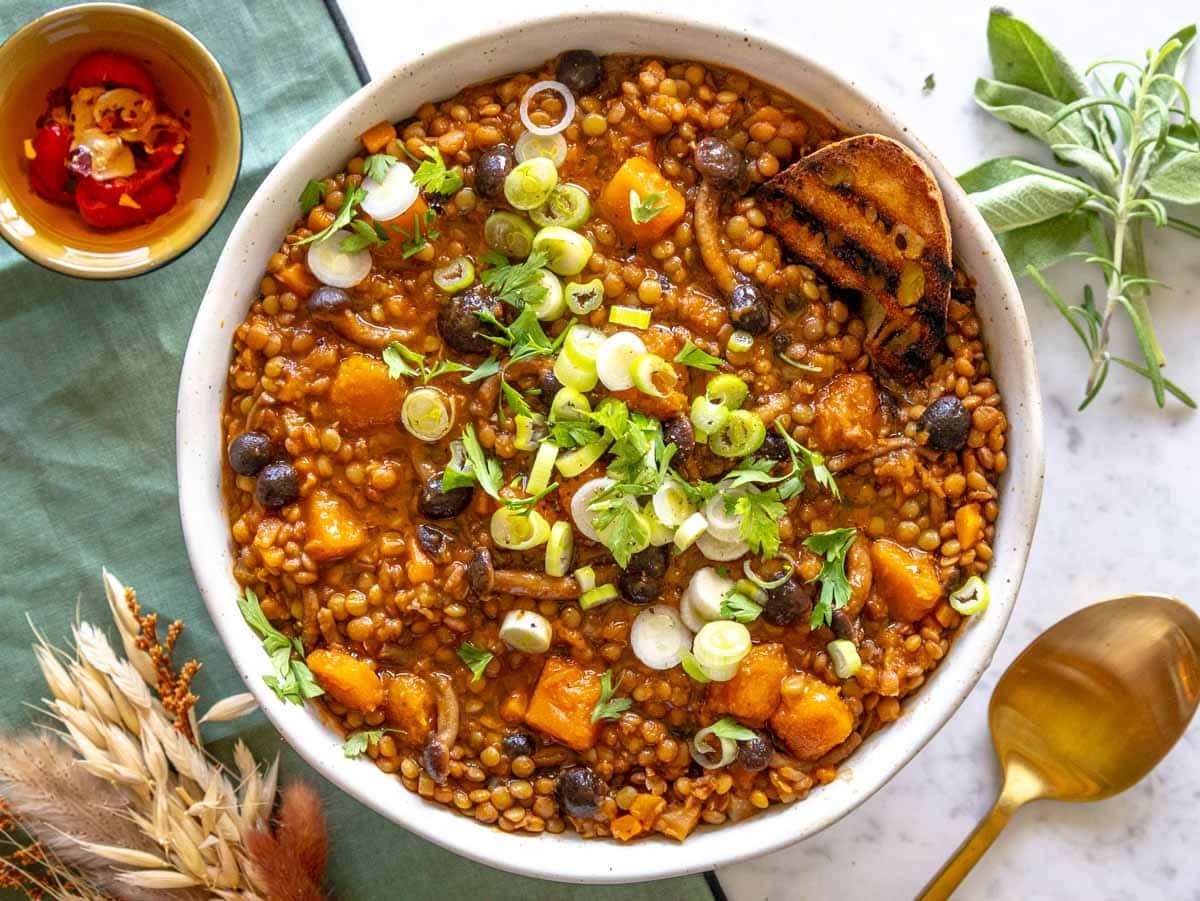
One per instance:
[(868, 214)]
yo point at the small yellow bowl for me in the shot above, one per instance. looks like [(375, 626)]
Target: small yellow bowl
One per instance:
[(36, 59)]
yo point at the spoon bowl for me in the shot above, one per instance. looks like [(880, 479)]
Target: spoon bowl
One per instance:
[(1087, 710)]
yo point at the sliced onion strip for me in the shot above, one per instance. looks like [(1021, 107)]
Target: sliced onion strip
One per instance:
[(702, 753), (568, 102)]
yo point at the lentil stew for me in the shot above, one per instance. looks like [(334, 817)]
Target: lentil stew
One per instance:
[(580, 494)]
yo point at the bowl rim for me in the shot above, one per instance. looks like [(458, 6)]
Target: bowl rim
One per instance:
[(572, 860), (196, 233)]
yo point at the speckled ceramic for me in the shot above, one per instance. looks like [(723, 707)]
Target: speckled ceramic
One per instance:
[(36, 59), (234, 287)]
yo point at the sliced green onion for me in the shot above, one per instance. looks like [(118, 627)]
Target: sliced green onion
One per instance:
[(724, 523), (455, 276), (526, 631), (560, 548), (586, 577), (689, 530), (569, 404), (660, 534), (700, 602), (518, 531), (634, 317), (972, 598), (581, 505), (530, 431), (530, 183), (707, 417), (740, 436), (601, 594), (582, 343), (719, 648), (568, 251), (658, 638), (583, 297), (739, 342), (653, 375), (766, 584), (530, 146), (567, 205), (721, 551), (703, 753), (579, 459), (803, 367), (671, 503), (614, 360), (553, 304), (580, 376), (844, 656), (693, 669), (749, 591), (728, 390), (426, 414), (542, 469), (508, 233)]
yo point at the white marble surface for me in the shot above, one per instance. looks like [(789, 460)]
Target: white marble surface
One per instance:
[(1122, 479)]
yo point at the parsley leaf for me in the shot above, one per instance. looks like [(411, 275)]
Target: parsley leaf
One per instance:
[(417, 241), (739, 608), (313, 193), (643, 210), (622, 529), (524, 338), (516, 402), (433, 177), (441, 367), (567, 433), (608, 707), (356, 745), (354, 197), (484, 370), (293, 680), (475, 658), (376, 166), (479, 467), (728, 727), (929, 85), (401, 361), (365, 235), (760, 512), (515, 283), (805, 459), (693, 356), (833, 545)]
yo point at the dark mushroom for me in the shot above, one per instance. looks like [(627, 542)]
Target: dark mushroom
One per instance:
[(749, 310), (846, 626), (580, 70), (278, 484), (641, 581), (722, 164), (249, 452), (774, 447), (438, 504), (787, 603), (436, 753), (948, 423), (433, 540), (518, 744), (481, 574), (459, 322), (549, 384), (491, 169), (679, 431), (327, 299), (579, 791), (755, 753)]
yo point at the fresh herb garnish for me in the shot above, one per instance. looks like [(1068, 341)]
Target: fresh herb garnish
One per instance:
[(354, 196), (608, 707), (728, 727), (515, 283), (293, 680), (313, 193), (642, 210), (566, 433), (524, 338), (929, 85), (516, 402), (365, 235), (1136, 146), (475, 658), (760, 512), (433, 177), (401, 361), (739, 608), (356, 745), (376, 166), (833, 545), (693, 356), (484, 370), (421, 235), (482, 469)]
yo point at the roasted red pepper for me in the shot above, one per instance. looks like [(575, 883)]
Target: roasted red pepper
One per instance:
[(105, 68), (100, 204), (48, 169)]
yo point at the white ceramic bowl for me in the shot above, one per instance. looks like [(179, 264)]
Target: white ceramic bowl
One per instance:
[(234, 286)]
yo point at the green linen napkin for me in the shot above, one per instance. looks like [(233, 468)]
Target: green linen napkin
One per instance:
[(88, 375)]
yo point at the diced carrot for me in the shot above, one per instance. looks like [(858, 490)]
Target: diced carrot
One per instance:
[(626, 827), (646, 807), (846, 413), (968, 525), (363, 394), (348, 680), (906, 579), (812, 719), (562, 703), (334, 530), (419, 567), (375, 138), (410, 705), (513, 707), (639, 175), (753, 693), (401, 231), (297, 279)]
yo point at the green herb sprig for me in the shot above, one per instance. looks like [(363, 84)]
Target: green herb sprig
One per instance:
[(643, 209), (293, 680), (608, 707), (1126, 131), (475, 658), (403, 361), (833, 545)]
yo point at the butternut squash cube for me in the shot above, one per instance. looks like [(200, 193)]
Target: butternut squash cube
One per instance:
[(639, 176), (363, 394), (753, 693), (846, 413), (562, 703), (968, 525), (347, 679), (812, 719), (410, 707), (334, 530), (906, 579)]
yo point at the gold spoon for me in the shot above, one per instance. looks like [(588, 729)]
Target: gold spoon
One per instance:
[(1087, 710)]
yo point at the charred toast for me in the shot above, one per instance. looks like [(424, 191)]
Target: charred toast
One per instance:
[(867, 213)]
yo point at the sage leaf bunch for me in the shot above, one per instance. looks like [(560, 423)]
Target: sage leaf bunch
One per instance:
[(1125, 144)]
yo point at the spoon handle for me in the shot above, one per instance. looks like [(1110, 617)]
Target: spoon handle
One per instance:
[(942, 885)]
